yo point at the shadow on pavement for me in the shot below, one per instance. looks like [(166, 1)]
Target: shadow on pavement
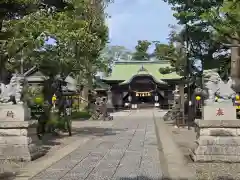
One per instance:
[(95, 131), (165, 178), (51, 140)]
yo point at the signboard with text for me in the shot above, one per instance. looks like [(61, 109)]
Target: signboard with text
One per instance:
[(143, 94), (36, 111), (13, 113), (219, 111)]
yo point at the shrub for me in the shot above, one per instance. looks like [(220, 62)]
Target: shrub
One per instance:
[(81, 114)]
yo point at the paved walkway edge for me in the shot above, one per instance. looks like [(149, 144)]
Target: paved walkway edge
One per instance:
[(176, 167), (162, 159), (34, 168)]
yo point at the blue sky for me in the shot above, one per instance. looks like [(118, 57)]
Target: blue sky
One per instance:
[(133, 20)]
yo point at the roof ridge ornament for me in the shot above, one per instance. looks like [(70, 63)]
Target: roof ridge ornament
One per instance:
[(142, 69)]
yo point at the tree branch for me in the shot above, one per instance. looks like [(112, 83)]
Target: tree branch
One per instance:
[(224, 33), (231, 45)]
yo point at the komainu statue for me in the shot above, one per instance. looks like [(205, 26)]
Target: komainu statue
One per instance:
[(12, 92), (215, 86)]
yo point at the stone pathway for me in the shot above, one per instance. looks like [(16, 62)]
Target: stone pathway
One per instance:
[(128, 151)]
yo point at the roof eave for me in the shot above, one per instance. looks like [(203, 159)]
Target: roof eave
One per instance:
[(156, 81)]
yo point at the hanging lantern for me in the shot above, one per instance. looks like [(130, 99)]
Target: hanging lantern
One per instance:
[(198, 98), (129, 98), (54, 99), (237, 97), (156, 98)]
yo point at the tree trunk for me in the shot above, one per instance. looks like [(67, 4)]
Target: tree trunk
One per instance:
[(2, 62), (235, 66)]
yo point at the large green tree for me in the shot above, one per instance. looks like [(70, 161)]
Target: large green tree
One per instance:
[(164, 51), (225, 19), (175, 54), (141, 49), (204, 44), (78, 28), (10, 10)]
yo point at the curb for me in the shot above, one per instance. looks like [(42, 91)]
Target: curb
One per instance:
[(34, 168), (174, 163), (164, 166)]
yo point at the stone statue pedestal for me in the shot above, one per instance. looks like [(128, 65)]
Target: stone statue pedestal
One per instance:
[(18, 137), (218, 135)]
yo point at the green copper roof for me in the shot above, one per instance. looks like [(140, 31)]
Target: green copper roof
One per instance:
[(125, 70), (99, 84)]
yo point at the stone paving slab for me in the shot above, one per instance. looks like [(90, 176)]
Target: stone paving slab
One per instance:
[(129, 166), (130, 151)]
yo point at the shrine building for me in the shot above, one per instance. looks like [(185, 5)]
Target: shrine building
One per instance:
[(141, 84)]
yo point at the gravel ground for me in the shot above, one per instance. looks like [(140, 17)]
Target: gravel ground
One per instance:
[(204, 171)]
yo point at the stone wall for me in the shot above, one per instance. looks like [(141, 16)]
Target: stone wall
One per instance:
[(217, 141)]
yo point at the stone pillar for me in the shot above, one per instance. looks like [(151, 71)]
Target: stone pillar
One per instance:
[(120, 100), (235, 65), (110, 107), (218, 135), (18, 136), (182, 100)]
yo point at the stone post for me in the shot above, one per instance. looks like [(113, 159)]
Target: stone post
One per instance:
[(235, 64), (218, 135), (18, 137), (110, 107), (182, 100)]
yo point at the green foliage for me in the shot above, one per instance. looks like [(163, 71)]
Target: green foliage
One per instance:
[(141, 49), (175, 55), (60, 124), (34, 95), (224, 18), (53, 119), (166, 70), (205, 31), (81, 115), (10, 10), (164, 51), (77, 26)]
